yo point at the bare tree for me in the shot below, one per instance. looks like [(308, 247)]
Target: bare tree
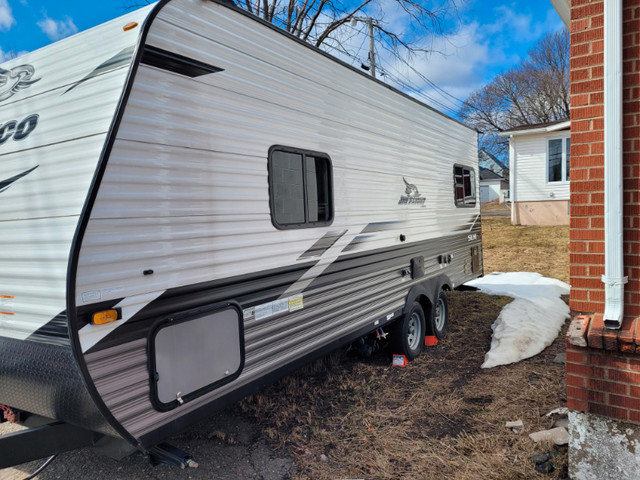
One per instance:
[(328, 23), (316, 20), (536, 91)]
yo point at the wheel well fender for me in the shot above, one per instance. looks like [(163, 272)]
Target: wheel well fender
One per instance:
[(425, 293)]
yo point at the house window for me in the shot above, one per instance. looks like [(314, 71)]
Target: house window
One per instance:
[(464, 181), (300, 188), (558, 156)]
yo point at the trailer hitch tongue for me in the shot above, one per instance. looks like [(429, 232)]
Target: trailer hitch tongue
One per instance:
[(170, 455)]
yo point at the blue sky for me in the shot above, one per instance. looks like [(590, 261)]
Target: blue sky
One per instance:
[(484, 38)]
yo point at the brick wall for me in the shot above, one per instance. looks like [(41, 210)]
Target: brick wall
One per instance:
[(604, 383), (587, 159), (603, 366)]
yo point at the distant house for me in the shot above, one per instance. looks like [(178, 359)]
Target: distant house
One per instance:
[(539, 173), (492, 186), (489, 162)]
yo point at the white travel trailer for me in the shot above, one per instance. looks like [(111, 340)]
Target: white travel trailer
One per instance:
[(194, 203)]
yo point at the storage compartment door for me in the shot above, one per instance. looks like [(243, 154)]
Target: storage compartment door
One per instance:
[(194, 353)]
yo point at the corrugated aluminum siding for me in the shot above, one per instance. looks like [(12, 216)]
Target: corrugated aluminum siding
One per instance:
[(39, 213), (185, 191)]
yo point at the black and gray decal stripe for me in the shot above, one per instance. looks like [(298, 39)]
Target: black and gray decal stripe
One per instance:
[(255, 289), (322, 245), (174, 62), (473, 222), (382, 226), (128, 306), (476, 219), (245, 289), (359, 240), (373, 227), (362, 263), (118, 60), (259, 288), (55, 332), (5, 184)]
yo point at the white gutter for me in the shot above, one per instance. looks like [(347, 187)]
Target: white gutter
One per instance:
[(613, 277), (563, 9), (549, 128)]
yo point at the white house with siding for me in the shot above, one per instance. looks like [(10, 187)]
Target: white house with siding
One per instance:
[(492, 186), (539, 173)]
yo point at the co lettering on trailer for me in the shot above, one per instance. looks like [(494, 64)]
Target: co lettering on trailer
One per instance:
[(18, 130)]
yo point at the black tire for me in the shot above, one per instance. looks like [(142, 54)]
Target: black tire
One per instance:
[(407, 334), (439, 318)]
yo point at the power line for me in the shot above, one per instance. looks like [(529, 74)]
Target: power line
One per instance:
[(414, 88)]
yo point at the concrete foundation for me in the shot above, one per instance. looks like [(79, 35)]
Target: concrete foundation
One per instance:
[(554, 212), (603, 449)]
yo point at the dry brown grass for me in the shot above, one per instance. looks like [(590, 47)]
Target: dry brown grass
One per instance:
[(495, 206), (512, 248), (442, 417)]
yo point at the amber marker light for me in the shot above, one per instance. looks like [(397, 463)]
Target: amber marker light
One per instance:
[(105, 316), (130, 26)]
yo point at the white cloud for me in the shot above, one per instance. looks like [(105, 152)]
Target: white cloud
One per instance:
[(5, 56), (57, 29), (466, 59), (459, 62), (6, 16), (521, 27)]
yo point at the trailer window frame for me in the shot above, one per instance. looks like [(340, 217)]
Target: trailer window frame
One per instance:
[(468, 198), (327, 183)]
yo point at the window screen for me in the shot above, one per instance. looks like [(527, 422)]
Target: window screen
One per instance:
[(300, 188), (464, 180)]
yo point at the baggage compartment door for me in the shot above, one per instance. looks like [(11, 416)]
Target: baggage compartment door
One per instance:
[(195, 352)]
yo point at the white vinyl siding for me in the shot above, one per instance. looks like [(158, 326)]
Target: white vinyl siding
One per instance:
[(529, 168), (489, 190)]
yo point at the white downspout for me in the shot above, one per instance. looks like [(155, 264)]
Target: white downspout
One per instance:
[(512, 176), (613, 277)]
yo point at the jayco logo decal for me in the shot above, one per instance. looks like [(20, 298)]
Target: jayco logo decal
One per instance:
[(412, 196), (16, 79), (18, 130)]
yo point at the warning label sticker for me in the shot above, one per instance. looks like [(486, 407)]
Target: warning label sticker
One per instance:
[(296, 303), (266, 310)]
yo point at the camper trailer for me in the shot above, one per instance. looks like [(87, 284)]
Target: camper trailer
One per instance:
[(194, 203)]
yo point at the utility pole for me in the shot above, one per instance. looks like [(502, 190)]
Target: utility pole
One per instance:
[(372, 53)]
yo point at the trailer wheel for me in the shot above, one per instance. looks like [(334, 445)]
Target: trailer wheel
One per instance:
[(439, 316), (407, 334)]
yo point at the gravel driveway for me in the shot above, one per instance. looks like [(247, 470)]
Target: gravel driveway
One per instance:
[(226, 447)]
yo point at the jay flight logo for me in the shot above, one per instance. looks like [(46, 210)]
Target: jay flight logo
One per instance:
[(16, 79), (412, 196)]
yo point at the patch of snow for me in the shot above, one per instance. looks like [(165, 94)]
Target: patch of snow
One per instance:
[(530, 323)]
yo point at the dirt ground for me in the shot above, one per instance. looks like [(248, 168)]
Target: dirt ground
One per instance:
[(442, 417), (521, 248), (495, 207), (344, 417)]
